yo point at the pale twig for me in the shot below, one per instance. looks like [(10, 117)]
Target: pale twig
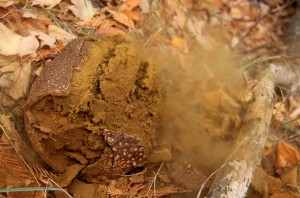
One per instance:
[(247, 33), (202, 186), (153, 182)]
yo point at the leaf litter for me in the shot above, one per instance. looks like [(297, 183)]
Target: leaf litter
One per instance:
[(251, 28)]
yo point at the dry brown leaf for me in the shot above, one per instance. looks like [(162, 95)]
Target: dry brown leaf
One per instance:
[(279, 111), (285, 195), (215, 4), (287, 155), (7, 3), (294, 108), (46, 3), (12, 44), (44, 53), (82, 9), (28, 46), (60, 34), (29, 14), (145, 6), (36, 25), (268, 149), (5, 81), (45, 38), (132, 3), (9, 68), (131, 14), (5, 60), (110, 31), (180, 43), (93, 23), (214, 98), (122, 18), (20, 81), (9, 41)]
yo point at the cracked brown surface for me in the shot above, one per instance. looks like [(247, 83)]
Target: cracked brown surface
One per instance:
[(94, 102)]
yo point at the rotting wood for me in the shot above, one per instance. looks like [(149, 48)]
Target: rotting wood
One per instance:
[(235, 177)]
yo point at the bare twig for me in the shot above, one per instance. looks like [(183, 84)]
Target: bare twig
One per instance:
[(154, 181), (211, 175), (234, 180), (242, 38)]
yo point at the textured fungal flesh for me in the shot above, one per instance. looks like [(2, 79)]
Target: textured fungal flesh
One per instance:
[(96, 101)]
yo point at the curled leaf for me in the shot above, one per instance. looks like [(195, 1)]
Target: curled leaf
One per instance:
[(9, 41), (20, 81), (82, 9), (28, 45), (46, 3)]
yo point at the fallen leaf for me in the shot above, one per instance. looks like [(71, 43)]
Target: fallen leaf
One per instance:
[(294, 109), (234, 41), (289, 176), (93, 23), (110, 31), (212, 5), (279, 111), (214, 98), (268, 149), (5, 101), (60, 34), (9, 41), (36, 25), (46, 3), (5, 60), (44, 53), (28, 45), (9, 68), (122, 18), (196, 28), (29, 14), (286, 162), (131, 14), (5, 81), (285, 195), (287, 155), (145, 6), (20, 81), (45, 38), (82, 9), (180, 43), (7, 3), (132, 3)]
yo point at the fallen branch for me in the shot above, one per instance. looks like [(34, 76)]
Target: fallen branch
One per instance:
[(234, 179)]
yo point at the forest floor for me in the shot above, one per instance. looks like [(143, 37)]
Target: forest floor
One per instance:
[(143, 98)]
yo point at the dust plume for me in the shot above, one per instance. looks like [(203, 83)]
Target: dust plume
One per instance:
[(194, 109)]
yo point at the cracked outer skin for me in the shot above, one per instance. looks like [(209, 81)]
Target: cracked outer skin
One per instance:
[(90, 94)]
